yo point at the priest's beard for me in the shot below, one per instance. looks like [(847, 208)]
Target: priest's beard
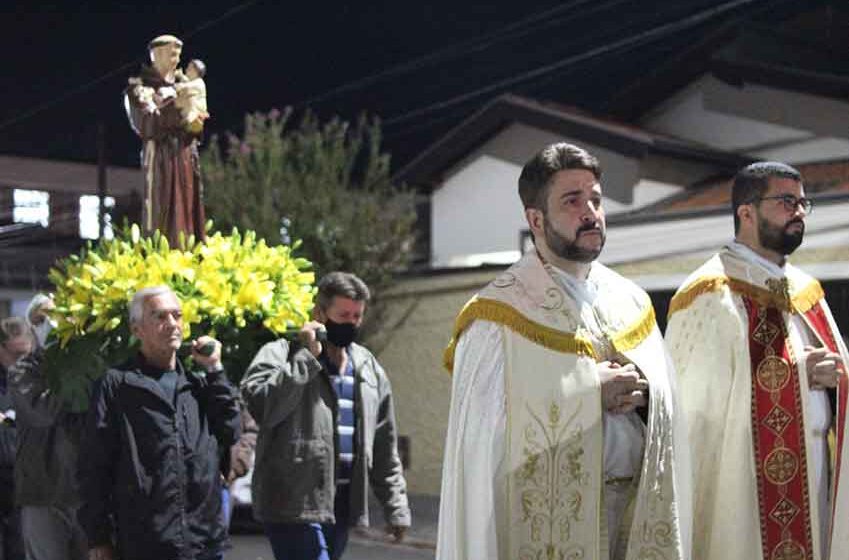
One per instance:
[(568, 249), (778, 238)]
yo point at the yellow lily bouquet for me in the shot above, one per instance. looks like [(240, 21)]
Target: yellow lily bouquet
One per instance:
[(233, 287)]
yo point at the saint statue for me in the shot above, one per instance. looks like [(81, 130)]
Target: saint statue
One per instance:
[(166, 108)]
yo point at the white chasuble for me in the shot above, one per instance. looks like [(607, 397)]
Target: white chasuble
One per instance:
[(764, 487), (524, 467)]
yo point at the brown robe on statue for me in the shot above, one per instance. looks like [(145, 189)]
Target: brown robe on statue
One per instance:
[(173, 200)]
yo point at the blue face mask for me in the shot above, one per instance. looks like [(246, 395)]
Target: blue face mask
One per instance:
[(341, 334)]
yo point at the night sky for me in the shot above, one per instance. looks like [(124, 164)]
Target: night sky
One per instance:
[(65, 64)]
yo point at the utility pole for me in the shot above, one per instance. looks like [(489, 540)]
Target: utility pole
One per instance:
[(101, 179)]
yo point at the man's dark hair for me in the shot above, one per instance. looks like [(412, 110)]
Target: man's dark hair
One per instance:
[(751, 182), (342, 284), (536, 176)]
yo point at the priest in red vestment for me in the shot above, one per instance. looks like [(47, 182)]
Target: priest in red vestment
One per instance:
[(762, 376)]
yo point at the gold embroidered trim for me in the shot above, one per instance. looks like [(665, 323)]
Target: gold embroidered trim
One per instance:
[(492, 310), (808, 297), (634, 335), (685, 297), (801, 302)]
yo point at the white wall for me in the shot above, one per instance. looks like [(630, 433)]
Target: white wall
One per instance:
[(518, 143), (476, 211), (684, 115), (761, 121), (807, 151), (825, 228), (476, 214)]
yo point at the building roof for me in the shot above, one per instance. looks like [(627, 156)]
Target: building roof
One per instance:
[(805, 54), (65, 176), (28, 251), (824, 181), (425, 171)]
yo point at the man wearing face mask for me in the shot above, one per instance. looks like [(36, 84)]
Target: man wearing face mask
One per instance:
[(46, 487), (327, 431), (37, 316)]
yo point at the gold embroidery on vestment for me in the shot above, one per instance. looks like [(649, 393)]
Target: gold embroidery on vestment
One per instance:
[(773, 373), (789, 550), (784, 512), (799, 302), (781, 465), (550, 483), (498, 312)]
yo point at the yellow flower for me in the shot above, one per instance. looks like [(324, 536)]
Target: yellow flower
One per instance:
[(229, 280)]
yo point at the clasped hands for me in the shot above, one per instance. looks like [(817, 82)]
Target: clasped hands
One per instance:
[(824, 367), (622, 388)]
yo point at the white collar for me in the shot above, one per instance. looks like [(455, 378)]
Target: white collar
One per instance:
[(746, 253), (582, 290)]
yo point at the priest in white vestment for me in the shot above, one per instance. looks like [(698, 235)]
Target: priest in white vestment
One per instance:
[(565, 440), (761, 369)]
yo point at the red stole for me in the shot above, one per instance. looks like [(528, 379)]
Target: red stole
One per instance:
[(817, 320), (779, 433)]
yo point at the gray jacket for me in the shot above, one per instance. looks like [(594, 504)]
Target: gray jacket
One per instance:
[(291, 397), (48, 440)]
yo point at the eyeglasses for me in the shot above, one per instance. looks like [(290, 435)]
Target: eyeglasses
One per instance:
[(791, 203)]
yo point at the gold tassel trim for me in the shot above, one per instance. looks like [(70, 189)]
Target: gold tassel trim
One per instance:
[(497, 312), (685, 297), (800, 302), (808, 297), (634, 335)]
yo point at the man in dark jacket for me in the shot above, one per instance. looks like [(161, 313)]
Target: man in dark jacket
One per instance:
[(16, 341), (149, 459), (327, 431), (46, 487)]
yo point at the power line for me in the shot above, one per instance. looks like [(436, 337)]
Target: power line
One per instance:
[(419, 127), (514, 30), (623, 44), (226, 15), (67, 95), (134, 62)]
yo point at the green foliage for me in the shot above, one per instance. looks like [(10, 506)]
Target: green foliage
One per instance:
[(325, 184)]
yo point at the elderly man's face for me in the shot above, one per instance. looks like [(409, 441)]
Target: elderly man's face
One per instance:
[(160, 329)]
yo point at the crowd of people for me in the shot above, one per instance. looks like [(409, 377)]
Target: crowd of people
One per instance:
[(145, 473), (576, 429)]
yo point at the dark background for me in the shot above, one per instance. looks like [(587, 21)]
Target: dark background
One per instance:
[(65, 63)]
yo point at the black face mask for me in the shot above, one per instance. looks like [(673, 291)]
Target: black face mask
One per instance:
[(341, 334)]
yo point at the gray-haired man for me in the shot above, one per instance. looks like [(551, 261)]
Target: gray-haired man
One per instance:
[(150, 456)]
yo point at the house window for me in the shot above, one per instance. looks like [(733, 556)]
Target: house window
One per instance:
[(89, 216), (30, 207)]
